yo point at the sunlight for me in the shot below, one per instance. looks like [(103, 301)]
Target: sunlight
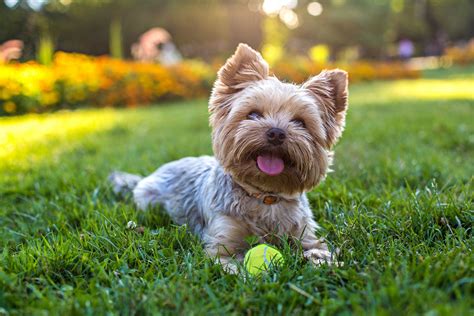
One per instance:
[(315, 8), (421, 89), (425, 89), (31, 137), (289, 17), (273, 7)]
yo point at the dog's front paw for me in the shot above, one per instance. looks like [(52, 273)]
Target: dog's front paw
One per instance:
[(228, 265), (319, 257)]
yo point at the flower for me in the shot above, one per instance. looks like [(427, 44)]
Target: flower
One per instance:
[(75, 80)]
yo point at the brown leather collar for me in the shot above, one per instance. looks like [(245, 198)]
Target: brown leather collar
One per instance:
[(267, 199)]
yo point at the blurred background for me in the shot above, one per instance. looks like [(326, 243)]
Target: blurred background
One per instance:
[(70, 53)]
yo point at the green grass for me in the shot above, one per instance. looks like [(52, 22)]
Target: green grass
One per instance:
[(399, 205)]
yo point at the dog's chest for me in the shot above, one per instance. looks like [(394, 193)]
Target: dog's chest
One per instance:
[(279, 218)]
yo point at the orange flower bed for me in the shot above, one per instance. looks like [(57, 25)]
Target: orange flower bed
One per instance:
[(300, 70), (75, 80), (462, 55)]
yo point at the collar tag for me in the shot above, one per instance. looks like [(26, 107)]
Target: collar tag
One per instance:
[(267, 199), (271, 199)]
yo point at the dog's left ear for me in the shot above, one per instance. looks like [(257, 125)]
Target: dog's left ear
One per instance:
[(330, 90)]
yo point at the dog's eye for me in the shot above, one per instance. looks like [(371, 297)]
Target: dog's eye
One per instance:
[(299, 123), (254, 115)]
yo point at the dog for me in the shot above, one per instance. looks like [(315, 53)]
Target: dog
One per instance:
[(272, 143)]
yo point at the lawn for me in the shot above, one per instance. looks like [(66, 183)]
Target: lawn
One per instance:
[(399, 205)]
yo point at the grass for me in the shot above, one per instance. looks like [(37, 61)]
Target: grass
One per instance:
[(399, 205)]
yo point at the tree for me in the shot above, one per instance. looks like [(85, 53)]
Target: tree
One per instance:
[(206, 28)]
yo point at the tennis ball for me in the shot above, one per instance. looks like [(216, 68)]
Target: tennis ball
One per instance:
[(260, 258)]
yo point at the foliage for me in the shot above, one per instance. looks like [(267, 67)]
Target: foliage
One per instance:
[(207, 28), (45, 49), (76, 80), (398, 205), (274, 40), (300, 69), (375, 25), (319, 54), (460, 54), (115, 38)]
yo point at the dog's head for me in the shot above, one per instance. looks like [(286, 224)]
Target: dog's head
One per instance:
[(275, 136)]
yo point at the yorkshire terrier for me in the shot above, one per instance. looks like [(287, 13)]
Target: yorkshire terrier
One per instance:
[(272, 143)]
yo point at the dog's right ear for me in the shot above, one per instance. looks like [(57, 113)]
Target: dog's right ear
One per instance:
[(240, 70), (245, 66)]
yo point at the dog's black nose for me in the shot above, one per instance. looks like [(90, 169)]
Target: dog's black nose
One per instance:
[(276, 136)]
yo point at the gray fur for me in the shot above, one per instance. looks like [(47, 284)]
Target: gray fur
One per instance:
[(199, 193)]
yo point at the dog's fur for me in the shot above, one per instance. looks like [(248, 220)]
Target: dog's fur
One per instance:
[(223, 199)]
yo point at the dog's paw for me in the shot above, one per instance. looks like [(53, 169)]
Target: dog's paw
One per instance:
[(320, 256), (230, 268), (229, 265)]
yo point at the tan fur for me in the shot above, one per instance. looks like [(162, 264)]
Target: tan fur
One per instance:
[(330, 89)]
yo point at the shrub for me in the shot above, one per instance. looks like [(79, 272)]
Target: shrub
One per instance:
[(301, 69), (460, 54), (75, 80)]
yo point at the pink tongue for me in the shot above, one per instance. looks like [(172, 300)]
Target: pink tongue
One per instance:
[(271, 165)]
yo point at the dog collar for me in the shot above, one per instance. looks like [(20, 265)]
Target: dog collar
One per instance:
[(267, 199)]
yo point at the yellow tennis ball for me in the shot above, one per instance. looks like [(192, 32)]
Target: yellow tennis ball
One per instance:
[(260, 258)]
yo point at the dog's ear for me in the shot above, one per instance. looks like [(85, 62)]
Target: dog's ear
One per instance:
[(245, 66), (330, 88), (240, 70)]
